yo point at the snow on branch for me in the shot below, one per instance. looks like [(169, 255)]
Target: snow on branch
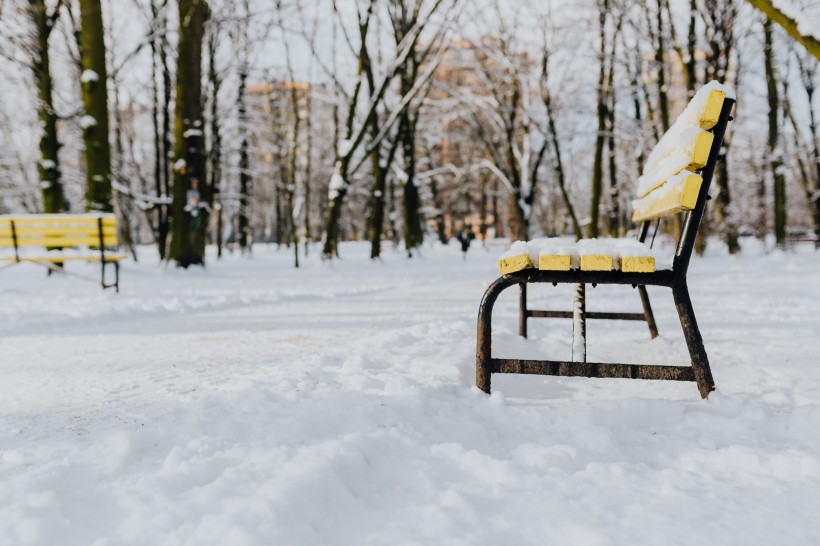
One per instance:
[(789, 17)]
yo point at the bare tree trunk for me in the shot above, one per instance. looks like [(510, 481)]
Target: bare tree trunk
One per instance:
[(165, 217), (597, 165), (245, 235), (191, 195), (660, 59), (719, 19), (160, 209), (499, 224), (49, 164), (691, 47), (308, 170), (94, 81), (615, 220), (558, 165), (337, 189), (808, 73), (215, 155), (775, 151)]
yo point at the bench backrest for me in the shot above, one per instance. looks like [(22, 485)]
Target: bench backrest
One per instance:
[(680, 169), (58, 230)]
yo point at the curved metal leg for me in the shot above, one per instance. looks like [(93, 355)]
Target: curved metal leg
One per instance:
[(700, 363), (484, 337)]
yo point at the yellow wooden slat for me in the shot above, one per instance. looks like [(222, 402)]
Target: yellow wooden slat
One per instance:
[(663, 202), (700, 154), (57, 231), (638, 264), (514, 263), (596, 262), (75, 240), (555, 262), (56, 220), (711, 112), (696, 150), (57, 258)]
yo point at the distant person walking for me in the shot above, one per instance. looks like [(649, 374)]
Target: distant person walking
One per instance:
[(465, 237)]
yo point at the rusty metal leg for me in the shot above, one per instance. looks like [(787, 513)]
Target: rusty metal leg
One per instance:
[(522, 313), (694, 341), (579, 325), (484, 336), (647, 312)]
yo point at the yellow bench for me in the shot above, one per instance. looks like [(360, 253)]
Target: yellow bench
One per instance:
[(53, 239), (677, 178)]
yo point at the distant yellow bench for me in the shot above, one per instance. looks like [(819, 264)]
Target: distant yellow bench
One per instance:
[(52, 239)]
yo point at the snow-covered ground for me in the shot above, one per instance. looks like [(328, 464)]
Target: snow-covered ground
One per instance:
[(250, 403)]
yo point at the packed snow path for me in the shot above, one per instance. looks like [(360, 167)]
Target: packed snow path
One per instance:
[(253, 404)]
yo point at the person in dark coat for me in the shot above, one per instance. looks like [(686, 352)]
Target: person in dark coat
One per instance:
[(465, 237)]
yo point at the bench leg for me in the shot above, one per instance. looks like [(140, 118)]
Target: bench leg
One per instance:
[(579, 324), (523, 312), (694, 341), (647, 312), (116, 284), (484, 334)]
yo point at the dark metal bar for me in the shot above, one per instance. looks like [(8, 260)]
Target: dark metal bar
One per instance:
[(665, 277), (484, 333), (648, 316), (591, 369), (694, 341), (589, 315), (523, 312), (14, 240), (644, 231), (102, 251), (686, 243)]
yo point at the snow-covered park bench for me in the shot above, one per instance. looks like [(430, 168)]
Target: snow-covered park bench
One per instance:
[(677, 178), (53, 239)]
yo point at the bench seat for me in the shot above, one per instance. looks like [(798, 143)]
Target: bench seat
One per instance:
[(556, 254)]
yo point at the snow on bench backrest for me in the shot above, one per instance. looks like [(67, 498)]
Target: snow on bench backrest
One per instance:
[(669, 183)]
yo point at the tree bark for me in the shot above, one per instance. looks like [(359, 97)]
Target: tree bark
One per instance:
[(597, 165), (165, 218), (775, 151), (215, 154), (49, 164), (191, 203), (245, 235), (95, 103)]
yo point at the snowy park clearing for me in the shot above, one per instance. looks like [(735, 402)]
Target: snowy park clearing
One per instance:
[(251, 403)]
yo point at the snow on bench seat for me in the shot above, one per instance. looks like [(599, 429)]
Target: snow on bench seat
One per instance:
[(516, 258), (556, 254)]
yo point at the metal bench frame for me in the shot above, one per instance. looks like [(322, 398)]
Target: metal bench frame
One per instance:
[(699, 371)]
